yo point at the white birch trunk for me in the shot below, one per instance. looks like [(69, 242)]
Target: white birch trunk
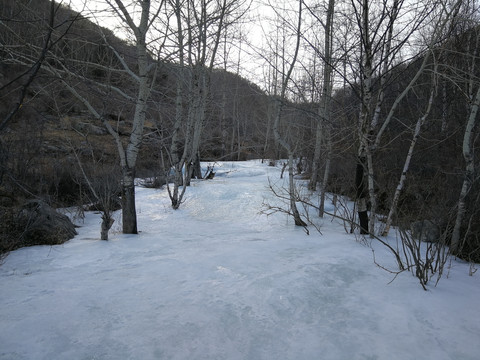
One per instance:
[(326, 173), (363, 126), (278, 138), (444, 21), (385, 66), (177, 159), (472, 120), (129, 215), (324, 110), (195, 49), (406, 165)]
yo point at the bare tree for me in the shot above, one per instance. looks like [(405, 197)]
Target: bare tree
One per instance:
[(279, 105), (199, 30), (128, 155), (416, 134), (462, 71), (103, 187), (324, 108), (443, 24), (383, 37), (142, 76), (469, 175)]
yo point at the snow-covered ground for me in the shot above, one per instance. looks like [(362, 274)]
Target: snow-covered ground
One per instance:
[(218, 280)]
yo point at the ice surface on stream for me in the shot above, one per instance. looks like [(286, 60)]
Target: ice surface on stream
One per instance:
[(216, 279)]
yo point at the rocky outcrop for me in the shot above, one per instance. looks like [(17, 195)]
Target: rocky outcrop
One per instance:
[(40, 224)]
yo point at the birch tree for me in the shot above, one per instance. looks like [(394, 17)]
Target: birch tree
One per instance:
[(469, 176), (323, 126), (325, 98), (178, 159), (443, 24), (199, 29), (143, 77), (384, 33), (416, 134), (472, 91), (138, 22), (69, 69), (279, 104)]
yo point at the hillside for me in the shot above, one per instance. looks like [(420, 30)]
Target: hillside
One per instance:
[(41, 140)]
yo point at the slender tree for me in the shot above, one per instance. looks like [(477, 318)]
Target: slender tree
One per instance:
[(416, 135), (442, 24), (279, 104), (469, 175), (324, 108), (383, 36), (199, 30), (142, 76)]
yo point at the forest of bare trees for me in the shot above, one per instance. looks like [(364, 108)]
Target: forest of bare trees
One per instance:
[(374, 100)]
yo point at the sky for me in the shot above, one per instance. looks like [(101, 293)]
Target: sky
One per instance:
[(219, 279), (254, 29), (255, 55)]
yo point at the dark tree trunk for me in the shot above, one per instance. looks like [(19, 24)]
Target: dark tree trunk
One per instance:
[(361, 195), (107, 223), (129, 213), (197, 170)]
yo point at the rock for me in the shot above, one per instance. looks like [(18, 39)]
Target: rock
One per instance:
[(43, 225), (425, 230), (88, 128)]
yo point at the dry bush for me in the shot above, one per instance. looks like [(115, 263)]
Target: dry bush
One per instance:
[(425, 260)]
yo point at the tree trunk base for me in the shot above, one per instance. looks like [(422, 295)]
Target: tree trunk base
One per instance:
[(363, 217)]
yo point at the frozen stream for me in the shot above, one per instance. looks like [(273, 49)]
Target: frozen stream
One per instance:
[(218, 280)]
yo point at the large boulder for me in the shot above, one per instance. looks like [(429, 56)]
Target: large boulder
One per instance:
[(41, 224)]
